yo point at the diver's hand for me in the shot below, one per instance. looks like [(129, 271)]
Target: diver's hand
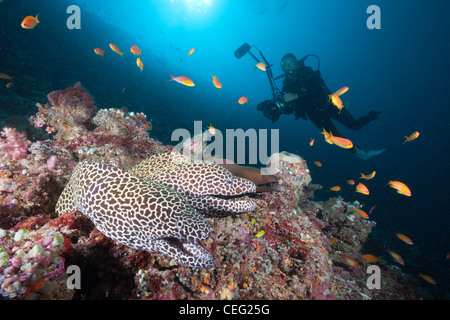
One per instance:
[(290, 96)]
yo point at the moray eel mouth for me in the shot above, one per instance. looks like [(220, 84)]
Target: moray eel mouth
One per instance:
[(219, 205), (179, 244), (193, 254), (235, 197), (225, 199)]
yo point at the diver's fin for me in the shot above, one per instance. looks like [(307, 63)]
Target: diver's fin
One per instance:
[(374, 114), (360, 153), (373, 153)]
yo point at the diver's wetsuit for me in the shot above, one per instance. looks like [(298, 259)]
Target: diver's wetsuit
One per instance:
[(313, 102)]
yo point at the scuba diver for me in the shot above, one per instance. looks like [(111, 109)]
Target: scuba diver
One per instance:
[(306, 95)]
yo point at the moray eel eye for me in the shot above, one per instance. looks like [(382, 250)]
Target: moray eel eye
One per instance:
[(230, 181), (179, 224)]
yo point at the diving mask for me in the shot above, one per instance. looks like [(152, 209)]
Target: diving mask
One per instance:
[(289, 65)]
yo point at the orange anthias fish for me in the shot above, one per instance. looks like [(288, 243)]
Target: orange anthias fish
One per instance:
[(311, 143), (400, 187), (99, 51), (362, 189), (412, 137), (341, 91), (397, 258), (261, 66), (140, 64), (368, 176), (243, 100), (362, 213), (211, 129), (191, 52), (183, 80), (371, 258), (336, 101), (427, 278), (216, 82), (317, 163), (30, 22), (335, 188), (404, 238), (136, 51), (341, 142), (9, 85), (350, 182), (115, 49), (327, 136), (5, 76), (335, 98), (352, 263)]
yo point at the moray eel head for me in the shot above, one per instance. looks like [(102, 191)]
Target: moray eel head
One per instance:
[(213, 180), (208, 187), (212, 189)]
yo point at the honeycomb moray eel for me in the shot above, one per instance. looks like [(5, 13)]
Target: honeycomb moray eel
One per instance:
[(208, 187), (138, 213)]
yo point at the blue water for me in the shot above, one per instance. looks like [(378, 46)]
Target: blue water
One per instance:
[(401, 70)]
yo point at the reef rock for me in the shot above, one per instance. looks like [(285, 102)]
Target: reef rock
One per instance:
[(288, 247)]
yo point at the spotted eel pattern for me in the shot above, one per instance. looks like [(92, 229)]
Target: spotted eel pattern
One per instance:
[(208, 187), (138, 213)]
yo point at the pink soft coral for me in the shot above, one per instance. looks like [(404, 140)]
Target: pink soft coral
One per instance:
[(13, 145)]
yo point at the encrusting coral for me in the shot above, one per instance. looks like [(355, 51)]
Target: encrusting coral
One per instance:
[(288, 247)]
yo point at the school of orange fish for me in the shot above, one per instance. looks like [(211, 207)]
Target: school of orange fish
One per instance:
[(31, 22), (400, 187)]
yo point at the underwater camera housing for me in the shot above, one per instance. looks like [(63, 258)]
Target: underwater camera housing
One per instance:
[(271, 108)]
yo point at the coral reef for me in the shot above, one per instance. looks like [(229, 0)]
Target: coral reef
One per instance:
[(14, 145), (289, 247), (68, 114), (32, 258), (33, 174)]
